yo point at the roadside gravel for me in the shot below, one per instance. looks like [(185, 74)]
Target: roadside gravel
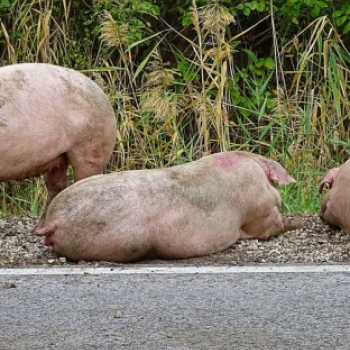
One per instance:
[(314, 243)]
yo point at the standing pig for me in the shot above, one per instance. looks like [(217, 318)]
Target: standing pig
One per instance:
[(335, 206), (51, 117), (184, 211)]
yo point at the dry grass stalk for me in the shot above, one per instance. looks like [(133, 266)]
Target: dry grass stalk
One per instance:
[(112, 33)]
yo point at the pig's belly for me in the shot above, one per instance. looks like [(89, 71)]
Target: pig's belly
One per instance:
[(194, 235)]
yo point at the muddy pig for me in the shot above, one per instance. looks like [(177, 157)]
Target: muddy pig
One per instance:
[(51, 117), (184, 211), (335, 206)]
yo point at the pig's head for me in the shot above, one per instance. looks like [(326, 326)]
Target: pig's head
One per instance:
[(329, 178), (333, 205), (275, 172), (330, 215), (324, 205)]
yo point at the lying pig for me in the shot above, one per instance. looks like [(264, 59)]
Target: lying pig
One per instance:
[(51, 117), (184, 211), (335, 206)]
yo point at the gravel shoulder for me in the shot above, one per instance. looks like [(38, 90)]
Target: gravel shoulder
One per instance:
[(314, 243)]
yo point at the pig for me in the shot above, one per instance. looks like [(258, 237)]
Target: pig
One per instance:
[(335, 207), (179, 212), (52, 117)]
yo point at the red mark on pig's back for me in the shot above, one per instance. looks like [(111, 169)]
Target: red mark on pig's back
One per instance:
[(226, 161)]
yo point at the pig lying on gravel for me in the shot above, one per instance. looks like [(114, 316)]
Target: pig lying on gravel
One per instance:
[(51, 117), (335, 206), (188, 210)]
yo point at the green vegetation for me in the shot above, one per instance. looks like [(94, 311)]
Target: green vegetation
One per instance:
[(189, 78)]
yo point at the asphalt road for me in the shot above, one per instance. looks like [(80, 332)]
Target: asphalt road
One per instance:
[(180, 310)]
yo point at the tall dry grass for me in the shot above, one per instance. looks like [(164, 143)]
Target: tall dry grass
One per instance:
[(179, 115)]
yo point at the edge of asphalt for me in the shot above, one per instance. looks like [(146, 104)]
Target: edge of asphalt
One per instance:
[(172, 269)]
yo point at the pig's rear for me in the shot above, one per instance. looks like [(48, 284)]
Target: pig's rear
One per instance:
[(47, 111)]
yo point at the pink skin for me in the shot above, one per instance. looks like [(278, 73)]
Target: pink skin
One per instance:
[(184, 211), (335, 206), (52, 117)]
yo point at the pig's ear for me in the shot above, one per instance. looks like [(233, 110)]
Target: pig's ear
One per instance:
[(276, 173), (328, 179)]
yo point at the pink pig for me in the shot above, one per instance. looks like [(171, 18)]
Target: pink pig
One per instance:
[(335, 206), (51, 117), (184, 211)]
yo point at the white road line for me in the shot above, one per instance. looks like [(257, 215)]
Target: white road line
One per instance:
[(149, 269)]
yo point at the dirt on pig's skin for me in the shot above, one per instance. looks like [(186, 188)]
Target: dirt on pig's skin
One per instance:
[(315, 243)]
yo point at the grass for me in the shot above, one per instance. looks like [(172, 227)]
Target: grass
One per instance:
[(22, 198), (294, 110)]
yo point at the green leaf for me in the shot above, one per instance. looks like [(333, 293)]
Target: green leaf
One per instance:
[(315, 12), (346, 28), (142, 41), (234, 44), (252, 55), (187, 19), (155, 10), (143, 7), (346, 9), (271, 104), (4, 3), (261, 6), (322, 4), (246, 11), (233, 11), (252, 5), (337, 13), (86, 23), (182, 66), (341, 20), (269, 63), (246, 113)]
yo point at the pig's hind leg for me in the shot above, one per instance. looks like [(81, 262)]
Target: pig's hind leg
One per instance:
[(88, 160), (56, 180)]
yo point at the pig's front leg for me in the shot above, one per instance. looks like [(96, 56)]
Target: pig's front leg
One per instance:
[(56, 180)]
